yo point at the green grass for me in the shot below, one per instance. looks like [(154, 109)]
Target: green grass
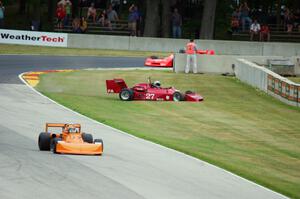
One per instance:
[(295, 79), (38, 50), (237, 127)]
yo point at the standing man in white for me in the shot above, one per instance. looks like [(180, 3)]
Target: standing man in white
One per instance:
[(191, 49)]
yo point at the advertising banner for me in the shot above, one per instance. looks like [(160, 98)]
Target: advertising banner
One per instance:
[(33, 38)]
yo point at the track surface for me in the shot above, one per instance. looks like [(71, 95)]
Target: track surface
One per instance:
[(129, 168)]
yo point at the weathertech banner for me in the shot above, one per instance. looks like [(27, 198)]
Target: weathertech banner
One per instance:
[(33, 38)]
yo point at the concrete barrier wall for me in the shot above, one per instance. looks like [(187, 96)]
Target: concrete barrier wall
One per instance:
[(98, 42), (268, 81), (174, 45), (218, 63)]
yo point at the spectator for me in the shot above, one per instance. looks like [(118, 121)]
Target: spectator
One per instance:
[(2, 9), (245, 15), (254, 29), (235, 24), (83, 25), (112, 14), (116, 5), (103, 19), (176, 24), (68, 8), (138, 21), (132, 19), (76, 26), (64, 2), (60, 14), (92, 12), (236, 13), (264, 33), (297, 19), (288, 20)]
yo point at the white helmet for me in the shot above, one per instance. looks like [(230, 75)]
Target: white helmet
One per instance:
[(157, 83)]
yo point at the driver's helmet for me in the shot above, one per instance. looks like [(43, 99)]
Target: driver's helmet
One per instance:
[(71, 129), (156, 83)]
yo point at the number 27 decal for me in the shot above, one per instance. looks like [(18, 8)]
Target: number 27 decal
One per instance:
[(150, 96)]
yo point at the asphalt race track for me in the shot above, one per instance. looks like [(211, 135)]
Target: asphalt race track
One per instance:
[(129, 168)]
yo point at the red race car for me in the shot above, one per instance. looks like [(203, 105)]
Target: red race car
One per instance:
[(154, 61), (149, 91)]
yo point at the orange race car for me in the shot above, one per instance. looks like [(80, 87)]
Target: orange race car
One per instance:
[(70, 141)]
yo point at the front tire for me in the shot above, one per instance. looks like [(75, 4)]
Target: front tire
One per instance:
[(126, 94), (177, 96), (99, 141), (44, 141), (54, 143)]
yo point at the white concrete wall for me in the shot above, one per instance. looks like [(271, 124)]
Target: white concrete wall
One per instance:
[(218, 63), (257, 76), (174, 45)]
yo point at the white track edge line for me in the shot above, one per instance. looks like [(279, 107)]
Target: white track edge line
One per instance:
[(161, 146)]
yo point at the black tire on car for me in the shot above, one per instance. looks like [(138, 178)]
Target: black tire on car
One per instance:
[(87, 137), (44, 141), (126, 94), (99, 141), (154, 57), (54, 143), (177, 96)]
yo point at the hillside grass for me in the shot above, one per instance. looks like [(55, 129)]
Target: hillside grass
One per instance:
[(237, 127)]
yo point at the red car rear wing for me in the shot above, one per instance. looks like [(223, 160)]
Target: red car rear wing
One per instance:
[(115, 85)]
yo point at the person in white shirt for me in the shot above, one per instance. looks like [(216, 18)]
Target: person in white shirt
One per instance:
[(254, 29), (64, 2)]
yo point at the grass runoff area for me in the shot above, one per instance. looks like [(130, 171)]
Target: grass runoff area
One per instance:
[(39, 50), (237, 127)]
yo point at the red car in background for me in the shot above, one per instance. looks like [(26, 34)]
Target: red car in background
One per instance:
[(167, 62), (149, 91)]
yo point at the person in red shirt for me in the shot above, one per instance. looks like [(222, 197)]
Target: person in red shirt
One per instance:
[(61, 14), (191, 49), (264, 33)]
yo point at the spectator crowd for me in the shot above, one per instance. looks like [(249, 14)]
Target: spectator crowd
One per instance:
[(255, 21), (98, 17)]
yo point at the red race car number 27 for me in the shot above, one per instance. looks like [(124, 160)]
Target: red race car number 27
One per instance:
[(150, 96)]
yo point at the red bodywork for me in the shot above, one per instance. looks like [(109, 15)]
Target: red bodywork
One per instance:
[(168, 61), (146, 91)]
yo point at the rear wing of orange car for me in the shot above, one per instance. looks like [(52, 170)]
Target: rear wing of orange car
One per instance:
[(115, 85), (61, 125)]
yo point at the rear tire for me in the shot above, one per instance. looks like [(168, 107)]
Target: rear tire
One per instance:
[(177, 96), (99, 141), (126, 94), (87, 137), (44, 141)]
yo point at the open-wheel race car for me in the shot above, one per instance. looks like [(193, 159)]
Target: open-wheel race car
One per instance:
[(167, 62), (149, 91), (69, 141)]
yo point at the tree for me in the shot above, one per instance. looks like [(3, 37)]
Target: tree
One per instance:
[(208, 19), (166, 17), (152, 18), (22, 6)]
